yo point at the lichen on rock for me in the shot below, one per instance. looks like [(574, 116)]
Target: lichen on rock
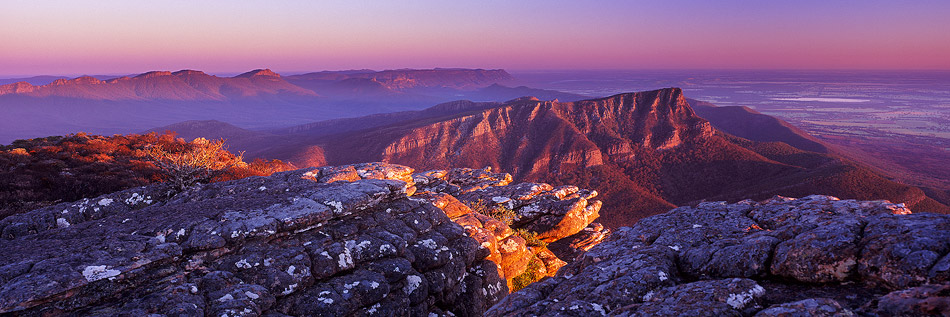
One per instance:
[(816, 255), (347, 240)]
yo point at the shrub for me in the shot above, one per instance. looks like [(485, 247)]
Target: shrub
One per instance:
[(530, 238), (531, 274), (43, 171), (187, 164), (258, 167), (500, 213)]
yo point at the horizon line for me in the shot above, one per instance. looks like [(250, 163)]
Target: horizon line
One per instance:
[(515, 70)]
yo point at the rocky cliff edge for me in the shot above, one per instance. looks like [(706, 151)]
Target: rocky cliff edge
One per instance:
[(363, 239), (814, 256)]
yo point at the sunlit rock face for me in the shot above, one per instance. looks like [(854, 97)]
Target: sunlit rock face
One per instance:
[(549, 213), (541, 137), (362, 239), (784, 256)]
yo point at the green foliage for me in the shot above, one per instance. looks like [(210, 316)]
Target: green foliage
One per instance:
[(500, 213), (531, 274), (530, 238)]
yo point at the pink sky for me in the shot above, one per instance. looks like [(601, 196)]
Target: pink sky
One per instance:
[(119, 37)]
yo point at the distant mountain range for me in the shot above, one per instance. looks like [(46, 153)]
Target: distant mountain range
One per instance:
[(407, 79), (645, 152), (185, 85), (256, 99)]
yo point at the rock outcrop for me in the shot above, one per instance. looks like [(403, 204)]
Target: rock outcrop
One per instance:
[(782, 257), (536, 211), (364, 239)]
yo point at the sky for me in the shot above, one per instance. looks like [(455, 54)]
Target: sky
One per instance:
[(41, 37)]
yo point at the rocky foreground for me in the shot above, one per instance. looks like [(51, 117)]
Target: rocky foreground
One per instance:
[(364, 239), (783, 257), (378, 239)]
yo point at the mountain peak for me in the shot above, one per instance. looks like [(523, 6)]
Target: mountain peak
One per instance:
[(259, 73), (189, 72), (154, 74), (17, 88), (77, 80), (523, 99)]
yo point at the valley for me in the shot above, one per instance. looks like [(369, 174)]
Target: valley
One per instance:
[(474, 158)]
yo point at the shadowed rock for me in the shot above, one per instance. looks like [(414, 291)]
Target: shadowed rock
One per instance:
[(782, 257), (326, 241)]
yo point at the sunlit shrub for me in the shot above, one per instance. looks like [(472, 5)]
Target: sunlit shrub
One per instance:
[(500, 213), (187, 164)]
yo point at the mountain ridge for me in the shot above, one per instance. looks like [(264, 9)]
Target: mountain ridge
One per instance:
[(257, 99), (402, 79), (163, 85), (747, 123), (651, 143)]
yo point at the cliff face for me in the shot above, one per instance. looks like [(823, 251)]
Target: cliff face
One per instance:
[(538, 138), (366, 239), (542, 141), (644, 152), (782, 257)]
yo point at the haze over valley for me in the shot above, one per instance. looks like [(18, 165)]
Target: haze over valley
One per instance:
[(492, 158)]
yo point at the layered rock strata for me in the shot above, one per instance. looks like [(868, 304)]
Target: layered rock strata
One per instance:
[(364, 239), (783, 257)]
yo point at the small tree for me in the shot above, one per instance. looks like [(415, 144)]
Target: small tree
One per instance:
[(199, 161)]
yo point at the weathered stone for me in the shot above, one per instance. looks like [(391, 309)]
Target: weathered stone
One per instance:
[(925, 300), (825, 254), (551, 262), (727, 297), (570, 247), (807, 307), (732, 259), (344, 240), (900, 250), (514, 256), (256, 245), (550, 213), (460, 180)]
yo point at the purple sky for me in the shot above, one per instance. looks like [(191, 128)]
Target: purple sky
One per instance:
[(120, 37)]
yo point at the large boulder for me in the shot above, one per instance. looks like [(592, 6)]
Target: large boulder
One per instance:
[(331, 241), (816, 255)]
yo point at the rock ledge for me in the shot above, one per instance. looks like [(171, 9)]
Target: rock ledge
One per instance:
[(816, 255), (363, 239)]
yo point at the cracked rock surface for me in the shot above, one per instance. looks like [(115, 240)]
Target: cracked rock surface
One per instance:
[(553, 213), (782, 257), (332, 241)]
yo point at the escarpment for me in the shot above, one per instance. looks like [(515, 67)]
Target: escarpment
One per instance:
[(644, 152), (782, 257), (363, 239), (541, 137)]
